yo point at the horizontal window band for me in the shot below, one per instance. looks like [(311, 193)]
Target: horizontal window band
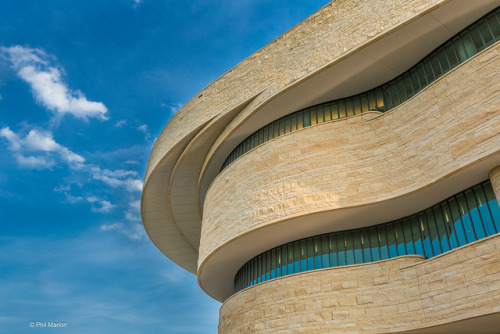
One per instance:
[(462, 46), (470, 215)]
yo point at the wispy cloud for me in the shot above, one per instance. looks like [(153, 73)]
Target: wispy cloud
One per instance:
[(33, 162), (118, 178), (135, 231), (42, 149), (172, 107), (99, 205), (133, 212), (120, 123), (33, 66)]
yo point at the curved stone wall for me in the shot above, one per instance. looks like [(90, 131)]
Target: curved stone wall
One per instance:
[(396, 295), (332, 33), (358, 161)]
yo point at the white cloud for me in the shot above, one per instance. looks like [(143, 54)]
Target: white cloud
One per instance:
[(32, 66), (133, 212), (174, 108), (134, 232), (111, 227), (43, 145), (62, 188), (44, 149), (143, 128), (100, 205), (120, 123), (118, 178), (74, 199), (33, 162)]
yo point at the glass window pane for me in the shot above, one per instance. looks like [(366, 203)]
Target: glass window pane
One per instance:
[(431, 224), (414, 80), (357, 105), (259, 269), (253, 273), (307, 118), (407, 84), (474, 214), (279, 262), (457, 221), (436, 66), (325, 258), (349, 107), (450, 54), (296, 257), (268, 266), (387, 97), (333, 250), (340, 243), (293, 121), (492, 204), (469, 46), (314, 117), (443, 234), (310, 254), (300, 120), (460, 49), (282, 127), (391, 240), (417, 236), (342, 112), (380, 99), (365, 244), (394, 93), (335, 110), (428, 70), (425, 235), (284, 258), (364, 103), (276, 129), (349, 249), (466, 221), (443, 60), (358, 251), (374, 244), (476, 38), (372, 100), (382, 241), (273, 263), (400, 239), (449, 225), (494, 25), (485, 31), (408, 236), (317, 252), (288, 124), (303, 255), (484, 210), (328, 112), (320, 113), (401, 90)]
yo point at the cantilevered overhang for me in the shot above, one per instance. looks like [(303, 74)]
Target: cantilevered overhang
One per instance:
[(276, 81)]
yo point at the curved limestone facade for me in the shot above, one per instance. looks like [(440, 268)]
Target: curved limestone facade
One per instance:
[(344, 173)]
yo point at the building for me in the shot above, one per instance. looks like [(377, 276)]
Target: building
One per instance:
[(345, 177)]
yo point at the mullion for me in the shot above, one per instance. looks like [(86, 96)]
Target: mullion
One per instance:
[(478, 212), (489, 209)]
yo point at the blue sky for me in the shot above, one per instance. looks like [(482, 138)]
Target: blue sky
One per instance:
[(85, 88)]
